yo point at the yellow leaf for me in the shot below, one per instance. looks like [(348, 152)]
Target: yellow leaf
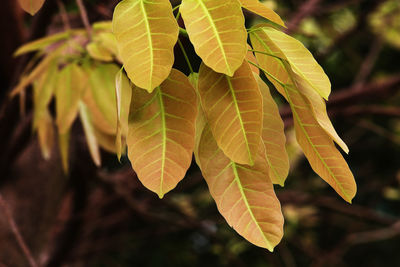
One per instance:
[(273, 137), (63, 142), (161, 132), (89, 133), (217, 32), (270, 57), (46, 134), (301, 60), (106, 141), (42, 43), (244, 195), (43, 90), (123, 94), (262, 10), (31, 6), (146, 32), (233, 107), (71, 83), (97, 51)]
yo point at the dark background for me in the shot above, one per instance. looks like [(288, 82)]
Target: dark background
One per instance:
[(105, 217)]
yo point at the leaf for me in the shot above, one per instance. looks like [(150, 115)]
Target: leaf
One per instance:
[(101, 99), (244, 195), (319, 148), (43, 90), (272, 61), (301, 60), (63, 142), (106, 141), (89, 133), (123, 94), (31, 6), (71, 83), (97, 51), (161, 132), (262, 10), (233, 107), (273, 137), (42, 43), (37, 71), (146, 32), (217, 32), (46, 134)]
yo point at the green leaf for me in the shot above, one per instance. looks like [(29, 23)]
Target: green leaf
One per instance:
[(146, 31), (233, 107), (217, 32), (63, 142), (161, 132), (244, 195), (46, 134)]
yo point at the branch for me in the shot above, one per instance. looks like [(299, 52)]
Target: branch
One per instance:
[(16, 232), (84, 16)]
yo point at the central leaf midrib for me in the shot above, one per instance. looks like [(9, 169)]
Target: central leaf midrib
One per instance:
[(164, 139), (244, 197), (240, 118), (146, 21), (210, 19)]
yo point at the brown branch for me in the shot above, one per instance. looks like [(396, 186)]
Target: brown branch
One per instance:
[(17, 233), (64, 15), (84, 17), (306, 10)]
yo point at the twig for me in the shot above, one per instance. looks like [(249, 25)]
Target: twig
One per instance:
[(84, 17), (64, 15), (306, 10), (17, 233)]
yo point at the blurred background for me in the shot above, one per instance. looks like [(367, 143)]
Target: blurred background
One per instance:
[(105, 217)]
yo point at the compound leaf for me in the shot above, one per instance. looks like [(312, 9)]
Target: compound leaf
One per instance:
[(217, 32), (233, 107), (244, 195), (146, 32), (161, 132)]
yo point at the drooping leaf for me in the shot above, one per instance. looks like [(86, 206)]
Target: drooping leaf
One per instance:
[(71, 84), (43, 90), (262, 10), (89, 133), (316, 144), (46, 134), (270, 58), (63, 142), (146, 32), (273, 137), (107, 141), (161, 132), (101, 98), (301, 60), (216, 29), (233, 107), (123, 94), (244, 195), (31, 6)]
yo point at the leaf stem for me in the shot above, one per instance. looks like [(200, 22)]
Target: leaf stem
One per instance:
[(264, 53), (186, 56), (267, 73)]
